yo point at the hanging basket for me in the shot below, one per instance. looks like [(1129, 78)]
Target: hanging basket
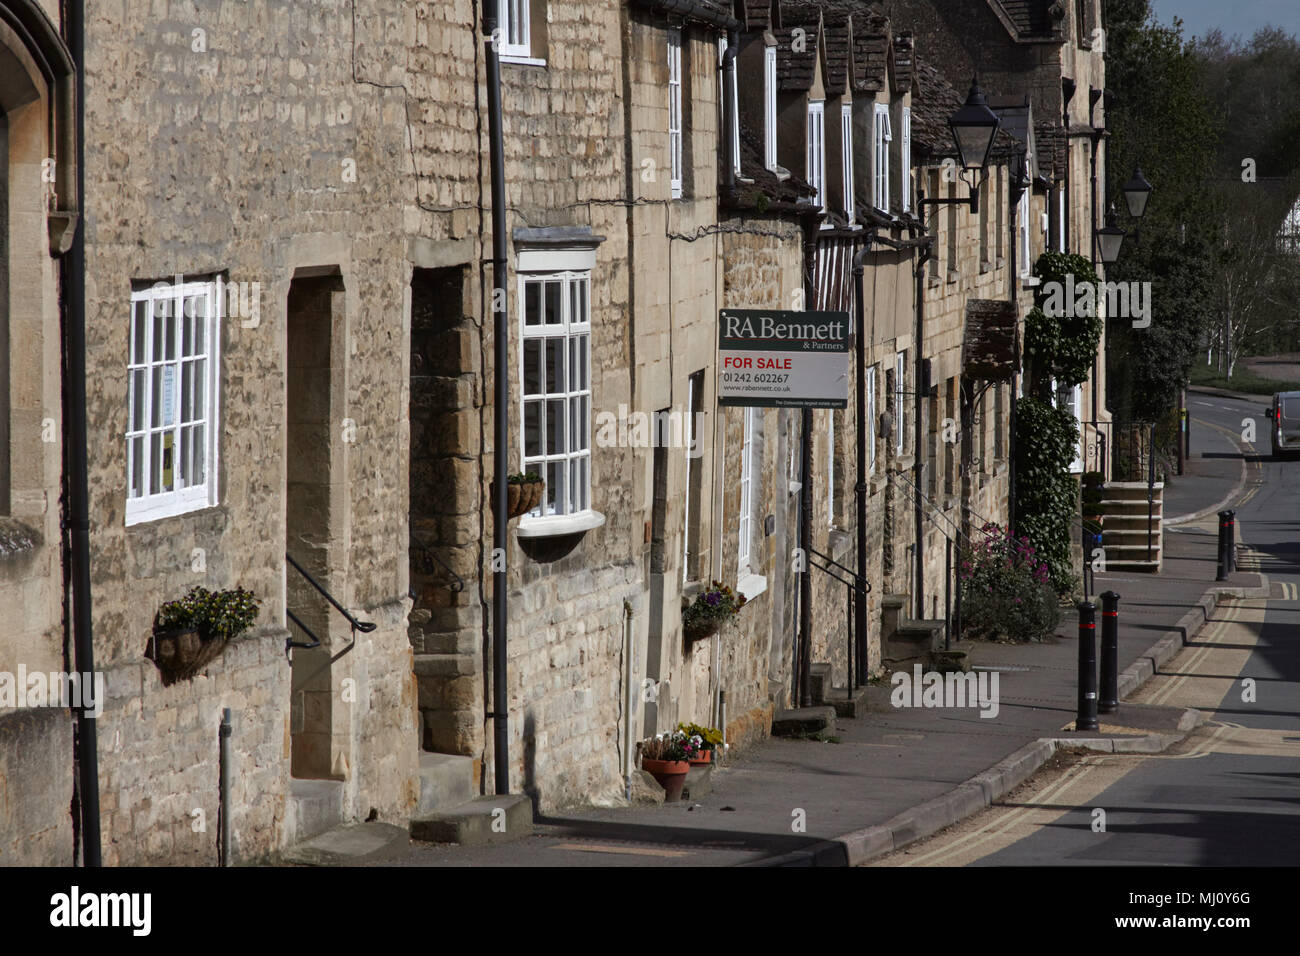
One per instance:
[(181, 653), (521, 497), (699, 630)]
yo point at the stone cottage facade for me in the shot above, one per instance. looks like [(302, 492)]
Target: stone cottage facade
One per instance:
[(289, 316)]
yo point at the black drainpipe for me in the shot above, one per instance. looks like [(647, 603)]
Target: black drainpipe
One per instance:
[(77, 516), (730, 109), (501, 409), (918, 464)]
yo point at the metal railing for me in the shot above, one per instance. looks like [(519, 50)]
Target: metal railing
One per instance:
[(851, 589), (365, 627), (952, 578), (427, 556)]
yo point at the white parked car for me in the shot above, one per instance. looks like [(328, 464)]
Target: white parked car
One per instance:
[(1285, 416)]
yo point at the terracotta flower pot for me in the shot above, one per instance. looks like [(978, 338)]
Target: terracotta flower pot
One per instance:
[(703, 760), (670, 774)]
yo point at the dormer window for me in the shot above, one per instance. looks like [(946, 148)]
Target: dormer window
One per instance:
[(769, 107), (883, 135), (816, 167)]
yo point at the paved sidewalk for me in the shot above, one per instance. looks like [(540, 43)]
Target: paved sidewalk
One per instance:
[(900, 771)]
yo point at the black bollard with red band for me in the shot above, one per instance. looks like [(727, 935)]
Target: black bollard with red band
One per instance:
[(1087, 717), (1109, 702), (1227, 545)]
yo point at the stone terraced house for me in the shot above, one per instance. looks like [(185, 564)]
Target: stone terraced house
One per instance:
[(289, 307)]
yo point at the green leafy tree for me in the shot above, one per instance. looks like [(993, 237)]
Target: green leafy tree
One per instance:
[(1162, 120)]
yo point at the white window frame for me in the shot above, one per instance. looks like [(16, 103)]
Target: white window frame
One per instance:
[(871, 420), (1076, 408), (689, 434), (141, 360), (769, 107), (846, 161), (675, 124), (745, 531), (906, 172), (722, 105), (1060, 219), (882, 135), (520, 47), (900, 371), (1023, 233), (574, 330), (816, 138)]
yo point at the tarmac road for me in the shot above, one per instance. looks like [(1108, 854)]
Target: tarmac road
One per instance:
[(1230, 794)]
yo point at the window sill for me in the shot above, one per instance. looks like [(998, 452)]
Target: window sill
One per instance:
[(535, 527), (521, 60), (160, 512), (1030, 281), (751, 585)]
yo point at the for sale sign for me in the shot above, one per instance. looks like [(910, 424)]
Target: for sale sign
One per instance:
[(776, 359)]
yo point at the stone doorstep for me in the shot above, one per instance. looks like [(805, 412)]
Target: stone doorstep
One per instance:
[(846, 704), (350, 845), (699, 783), (819, 679), (317, 805), (472, 823), (803, 720), (446, 781)]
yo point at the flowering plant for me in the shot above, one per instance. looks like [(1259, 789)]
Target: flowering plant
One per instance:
[(706, 738), (676, 745), (710, 608), (1007, 589), (215, 614)]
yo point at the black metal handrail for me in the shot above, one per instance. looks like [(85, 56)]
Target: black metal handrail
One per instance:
[(852, 588), (365, 627), (428, 551)]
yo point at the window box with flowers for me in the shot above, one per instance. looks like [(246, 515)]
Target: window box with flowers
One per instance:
[(712, 608)]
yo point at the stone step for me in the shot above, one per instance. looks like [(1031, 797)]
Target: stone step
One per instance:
[(956, 658), (1147, 567), (819, 680), (446, 781), (803, 720), (488, 819), (1121, 552), (913, 640), (699, 782), (315, 807), (1128, 489), (352, 845), (846, 704)]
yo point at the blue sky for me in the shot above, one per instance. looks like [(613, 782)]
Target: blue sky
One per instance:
[(1242, 17)]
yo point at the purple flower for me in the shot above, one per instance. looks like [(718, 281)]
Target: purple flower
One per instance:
[(712, 598)]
